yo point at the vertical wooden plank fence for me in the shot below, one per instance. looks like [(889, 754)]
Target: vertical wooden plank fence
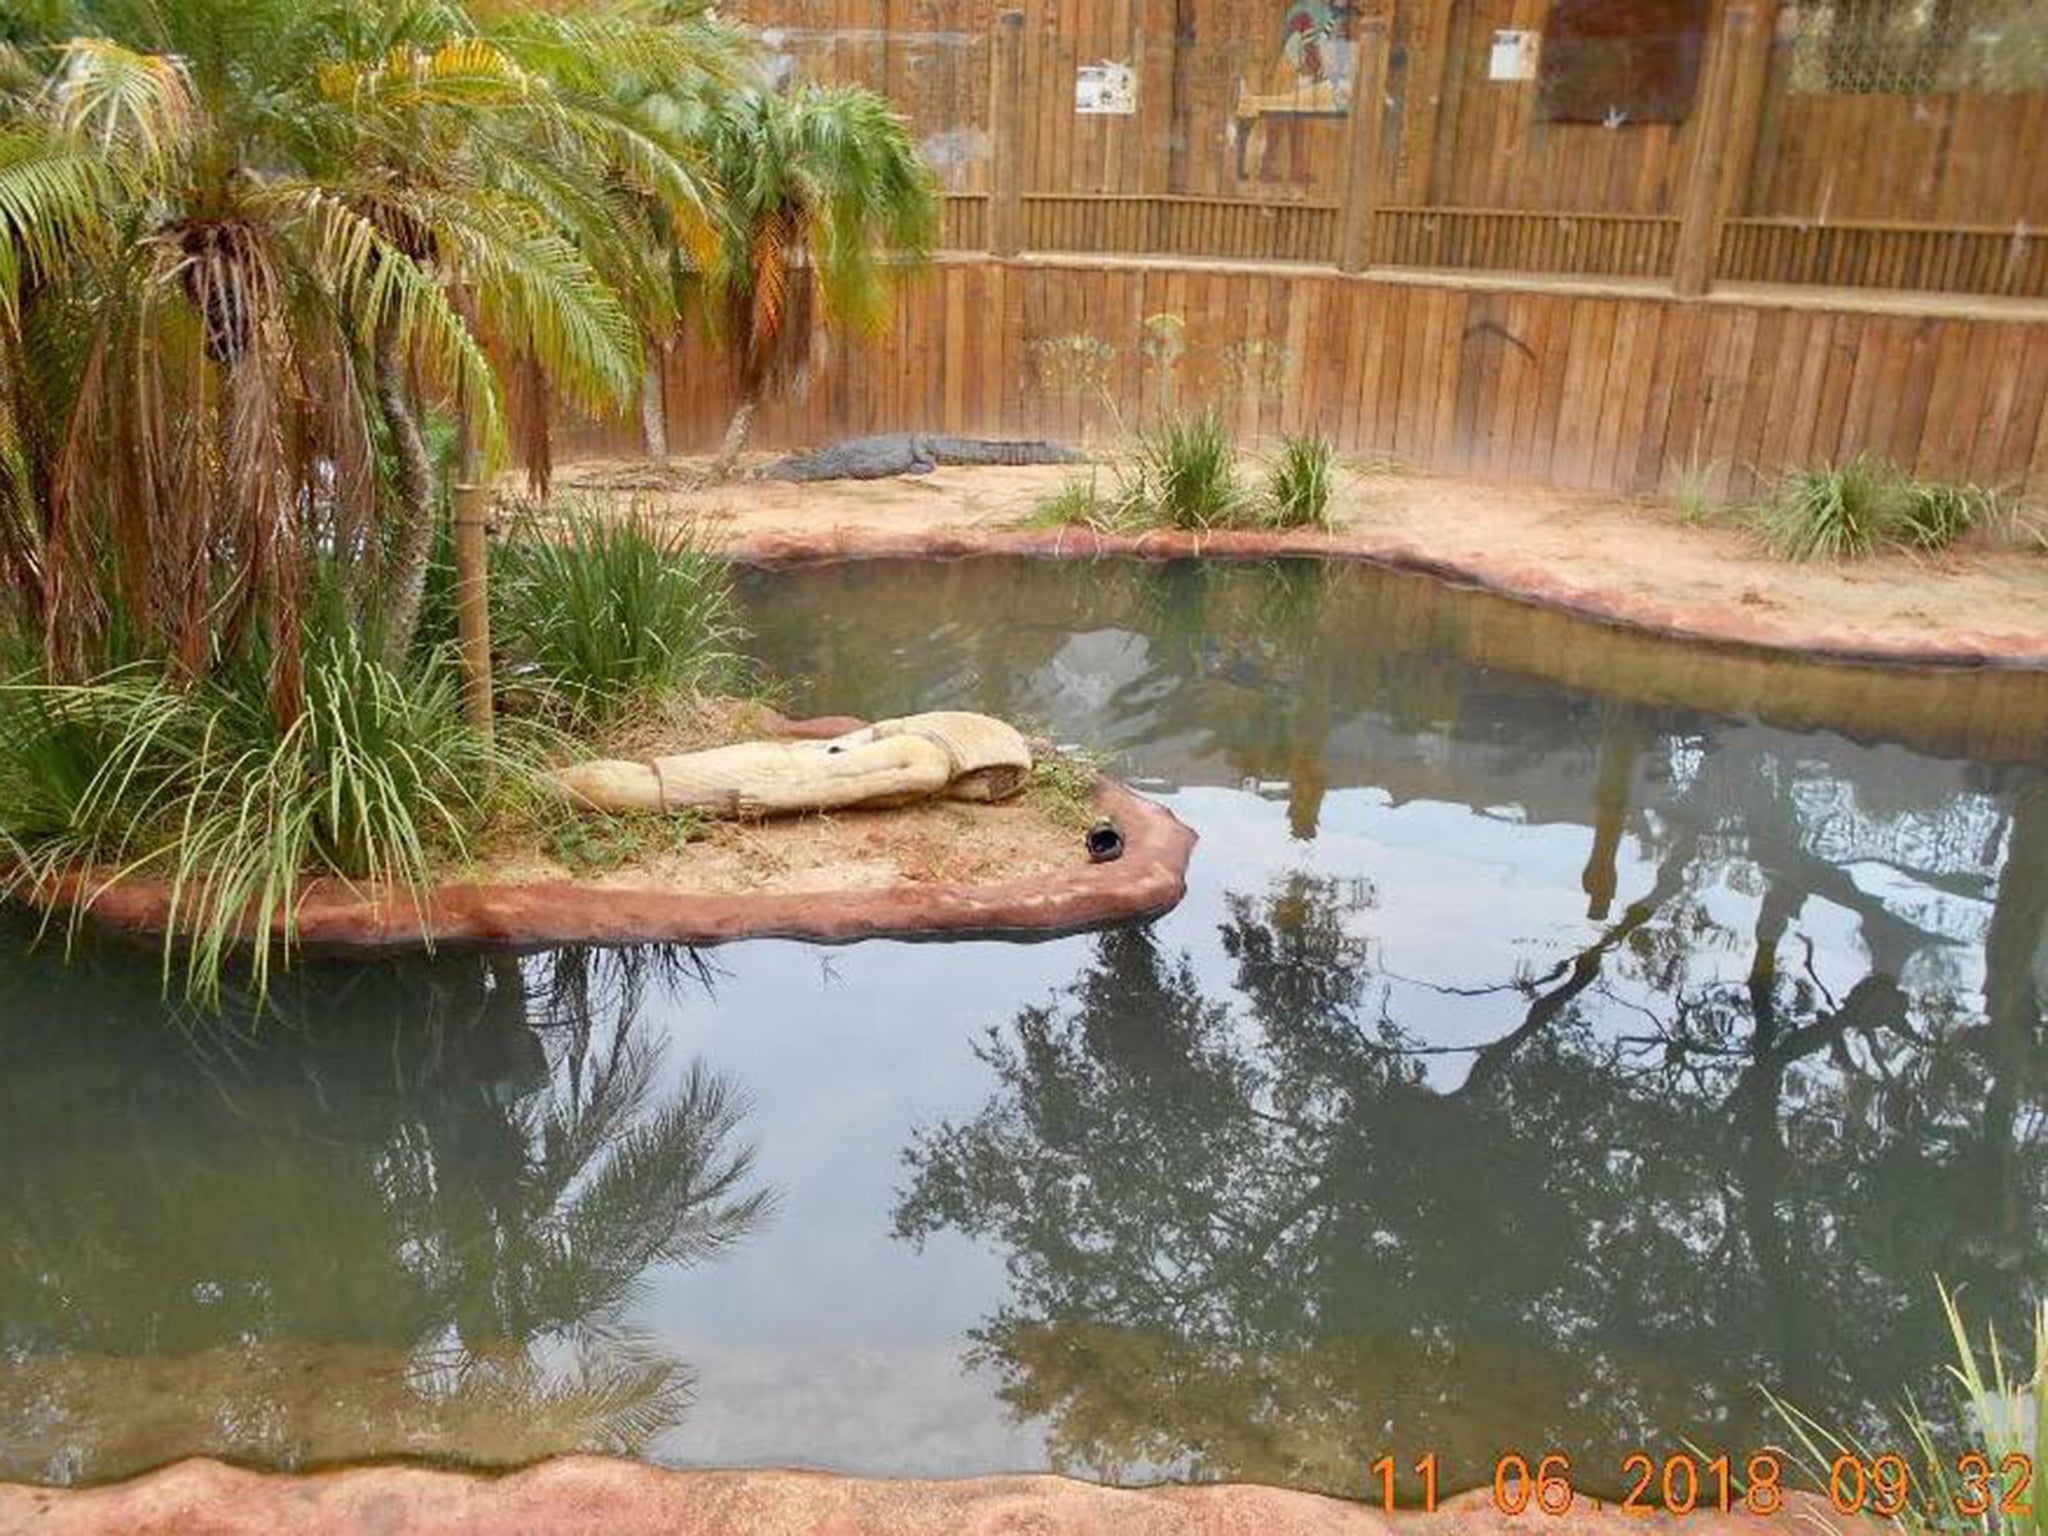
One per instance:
[(1759, 182)]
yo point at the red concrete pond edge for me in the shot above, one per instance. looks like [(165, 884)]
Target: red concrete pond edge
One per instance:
[(1728, 623), (335, 916), (596, 1496)]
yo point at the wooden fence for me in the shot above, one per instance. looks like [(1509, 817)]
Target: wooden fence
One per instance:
[(1618, 391), (1939, 189)]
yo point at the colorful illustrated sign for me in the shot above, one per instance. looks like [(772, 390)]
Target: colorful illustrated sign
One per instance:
[(1310, 78)]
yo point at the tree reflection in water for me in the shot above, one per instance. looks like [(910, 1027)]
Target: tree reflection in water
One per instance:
[(408, 1217), (1267, 1238)]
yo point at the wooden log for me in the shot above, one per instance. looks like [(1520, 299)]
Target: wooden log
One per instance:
[(774, 778), (962, 756)]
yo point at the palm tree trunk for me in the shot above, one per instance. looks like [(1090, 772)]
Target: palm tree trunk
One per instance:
[(654, 406), (406, 578), (736, 434)]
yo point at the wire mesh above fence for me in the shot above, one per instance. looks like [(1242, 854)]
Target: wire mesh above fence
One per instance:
[(1906, 47)]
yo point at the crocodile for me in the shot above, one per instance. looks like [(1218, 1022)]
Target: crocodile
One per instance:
[(911, 453)]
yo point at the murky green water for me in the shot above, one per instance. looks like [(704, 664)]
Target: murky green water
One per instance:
[(1563, 1035)]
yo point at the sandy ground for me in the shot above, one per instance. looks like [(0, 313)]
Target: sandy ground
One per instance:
[(1629, 561), (592, 1496), (940, 842)]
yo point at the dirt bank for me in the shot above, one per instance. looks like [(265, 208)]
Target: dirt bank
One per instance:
[(590, 1496), (1015, 869), (1626, 562), (848, 894)]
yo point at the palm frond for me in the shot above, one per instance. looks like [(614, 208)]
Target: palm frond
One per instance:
[(52, 198), (124, 102), (374, 280)]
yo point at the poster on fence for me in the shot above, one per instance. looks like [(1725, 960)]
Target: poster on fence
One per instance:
[(1105, 90)]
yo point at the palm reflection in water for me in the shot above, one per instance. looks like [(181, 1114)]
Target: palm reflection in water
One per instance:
[(407, 1215)]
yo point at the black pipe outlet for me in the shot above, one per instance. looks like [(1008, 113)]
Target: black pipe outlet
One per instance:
[(1105, 842)]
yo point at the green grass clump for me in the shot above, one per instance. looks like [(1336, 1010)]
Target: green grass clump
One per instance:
[(1187, 468), (1182, 474), (198, 785), (1078, 500), (1082, 502), (1062, 786), (1847, 511), (1690, 490), (1933, 1486), (603, 612), (1934, 516), (1300, 482), (593, 843), (1840, 512)]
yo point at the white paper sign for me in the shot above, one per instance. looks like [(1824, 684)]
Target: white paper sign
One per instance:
[(1105, 90), (1513, 55)]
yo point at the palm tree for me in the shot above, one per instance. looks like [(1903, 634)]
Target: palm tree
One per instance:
[(247, 245), (512, 165), (826, 204), (669, 255)]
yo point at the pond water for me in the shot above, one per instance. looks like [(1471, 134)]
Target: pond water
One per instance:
[(1564, 1034)]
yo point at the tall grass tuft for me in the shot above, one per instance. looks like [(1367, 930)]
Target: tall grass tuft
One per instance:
[(1934, 516), (1080, 502), (1847, 511), (1300, 482), (133, 776), (1986, 1485), (605, 612), (1182, 473), (1186, 469), (1689, 487), (1839, 512)]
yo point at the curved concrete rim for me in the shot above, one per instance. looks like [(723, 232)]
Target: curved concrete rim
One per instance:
[(599, 1496), (337, 917), (1519, 581)]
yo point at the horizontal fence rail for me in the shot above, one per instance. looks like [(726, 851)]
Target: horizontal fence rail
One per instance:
[(1977, 259), (1950, 259), (1181, 226), (1522, 240)]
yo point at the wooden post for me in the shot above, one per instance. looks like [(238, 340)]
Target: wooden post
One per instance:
[(1362, 144), (1006, 133), (1181, 110), (1751, 107), (878, 45), (1421, 98), (1700, 219), (472, 604), (1448, 124)]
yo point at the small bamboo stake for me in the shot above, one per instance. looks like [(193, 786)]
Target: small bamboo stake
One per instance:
[(472, 605)]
